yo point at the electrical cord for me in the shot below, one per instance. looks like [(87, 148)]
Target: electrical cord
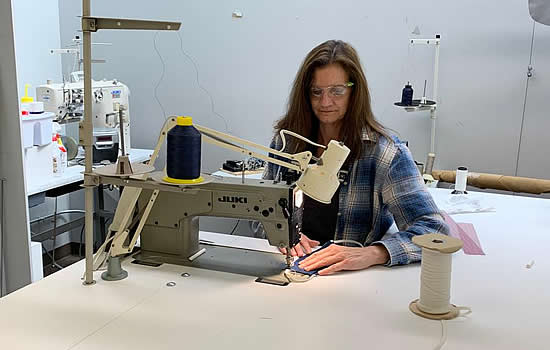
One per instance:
[(235, 227), (81, 233), (195, 67), (161, 75), (213, 107), (351, 241)]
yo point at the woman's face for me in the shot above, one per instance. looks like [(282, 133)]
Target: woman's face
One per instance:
[(329, 94)]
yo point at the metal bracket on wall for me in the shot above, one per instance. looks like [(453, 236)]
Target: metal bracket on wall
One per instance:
[(93, 24)]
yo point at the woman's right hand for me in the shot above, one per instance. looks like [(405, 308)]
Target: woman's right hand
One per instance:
[(303, 247)]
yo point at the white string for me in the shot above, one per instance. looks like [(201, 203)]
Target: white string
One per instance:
[(284, 131), (443, 339), (435, 282), (351, 241)]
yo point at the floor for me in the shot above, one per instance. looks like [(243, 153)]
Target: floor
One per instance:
[(64, 256), (63, 262)]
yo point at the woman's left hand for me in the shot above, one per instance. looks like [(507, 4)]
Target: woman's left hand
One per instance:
[(339, 258)]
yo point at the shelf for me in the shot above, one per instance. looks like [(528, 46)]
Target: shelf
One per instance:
[(417, 106)]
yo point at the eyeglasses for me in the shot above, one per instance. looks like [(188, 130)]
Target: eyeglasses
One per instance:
[(333, 90)]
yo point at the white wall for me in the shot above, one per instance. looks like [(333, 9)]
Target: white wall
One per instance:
[(15, 238), (36, 25), (36, 31), (248, 66)]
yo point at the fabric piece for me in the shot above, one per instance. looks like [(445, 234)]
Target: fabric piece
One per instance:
[(466, 233), (464, 204), (383, 186), (296, 268)]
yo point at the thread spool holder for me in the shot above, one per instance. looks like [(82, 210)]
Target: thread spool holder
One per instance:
[(427, 104), (445, 245)]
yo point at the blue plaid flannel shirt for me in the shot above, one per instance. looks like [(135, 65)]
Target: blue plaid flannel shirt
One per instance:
[(383, 185)]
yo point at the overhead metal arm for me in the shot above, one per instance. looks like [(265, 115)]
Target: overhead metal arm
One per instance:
[(90, 25), (221, 139), (93, 24)]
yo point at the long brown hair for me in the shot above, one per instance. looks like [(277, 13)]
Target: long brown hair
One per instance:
[(300, 117)]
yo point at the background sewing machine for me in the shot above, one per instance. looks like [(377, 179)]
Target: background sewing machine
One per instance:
[(66, 100)]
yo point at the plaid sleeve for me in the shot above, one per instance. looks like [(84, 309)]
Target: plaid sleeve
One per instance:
[(412, 206), (271, 169)]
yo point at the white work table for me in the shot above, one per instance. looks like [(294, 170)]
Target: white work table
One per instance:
[(353, 310), (74, 173)]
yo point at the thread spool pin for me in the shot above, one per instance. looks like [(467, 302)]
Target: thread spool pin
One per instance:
[(439, 244)]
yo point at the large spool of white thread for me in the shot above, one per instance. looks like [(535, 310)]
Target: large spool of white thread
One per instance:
[(435, 278), (461, 180)]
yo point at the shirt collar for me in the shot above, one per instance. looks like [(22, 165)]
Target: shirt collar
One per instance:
[(367, 134)]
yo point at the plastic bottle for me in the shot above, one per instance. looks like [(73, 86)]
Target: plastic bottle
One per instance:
[(59, 156), (26, 101), (63, 153), (56, 157)]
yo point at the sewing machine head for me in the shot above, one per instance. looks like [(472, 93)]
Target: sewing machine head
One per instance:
[(171, 231)]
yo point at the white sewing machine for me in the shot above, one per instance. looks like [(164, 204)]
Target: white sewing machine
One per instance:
[(110, 97)]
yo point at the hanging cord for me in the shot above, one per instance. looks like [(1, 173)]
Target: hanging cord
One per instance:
[(235, 227), (213, 107), (195, 67), (284, 131), (161, 75), (525, 97)]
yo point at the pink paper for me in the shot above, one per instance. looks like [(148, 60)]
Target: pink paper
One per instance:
[(472, 245), (466, 233)]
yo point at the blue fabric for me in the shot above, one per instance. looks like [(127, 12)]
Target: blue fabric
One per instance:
[(297, 268), (383, 186)]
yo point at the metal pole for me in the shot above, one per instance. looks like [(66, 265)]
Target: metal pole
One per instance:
[(121, 126), (87, 130), (433, 112)]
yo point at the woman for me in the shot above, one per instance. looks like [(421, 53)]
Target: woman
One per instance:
[(330, 100)]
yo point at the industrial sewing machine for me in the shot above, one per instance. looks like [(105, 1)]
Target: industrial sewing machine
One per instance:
[(170, 227), (110, 97), (166, 215)]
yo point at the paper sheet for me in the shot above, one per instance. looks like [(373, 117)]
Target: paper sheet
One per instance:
[(466, 233)]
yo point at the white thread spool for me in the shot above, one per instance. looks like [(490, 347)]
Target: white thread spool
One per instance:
[(435, 289), (461, 180)]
